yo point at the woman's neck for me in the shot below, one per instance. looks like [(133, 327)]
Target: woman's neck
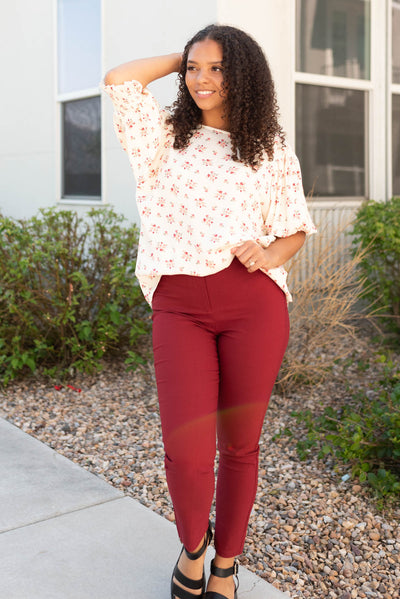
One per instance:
[(215, 120)]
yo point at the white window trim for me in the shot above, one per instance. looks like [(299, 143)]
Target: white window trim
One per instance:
[(102, 106), (78, 95), (393, 89), (378, 116), (389, 125), (68, 97), (332, 81)]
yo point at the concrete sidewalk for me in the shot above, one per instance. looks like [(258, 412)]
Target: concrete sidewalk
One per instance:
[(67, 534)]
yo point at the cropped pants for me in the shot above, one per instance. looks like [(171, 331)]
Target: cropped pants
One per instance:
[(218, 345)]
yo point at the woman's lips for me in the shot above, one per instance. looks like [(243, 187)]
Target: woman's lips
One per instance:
[(204, 93)]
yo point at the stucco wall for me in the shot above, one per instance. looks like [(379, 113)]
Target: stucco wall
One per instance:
[(27, 115)]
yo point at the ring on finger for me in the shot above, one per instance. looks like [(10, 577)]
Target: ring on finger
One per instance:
[(251, 263)]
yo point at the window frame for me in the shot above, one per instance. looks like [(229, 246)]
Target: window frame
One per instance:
[(341, 85), (376, 98), (394, 90), (60, 99)]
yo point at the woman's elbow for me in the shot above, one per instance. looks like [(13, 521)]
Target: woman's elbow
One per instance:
[(111, 77), (302, 237)]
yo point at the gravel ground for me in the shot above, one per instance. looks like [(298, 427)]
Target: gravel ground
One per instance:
[(310, 534)]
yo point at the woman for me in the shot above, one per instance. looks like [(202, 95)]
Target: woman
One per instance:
[(222, 209)]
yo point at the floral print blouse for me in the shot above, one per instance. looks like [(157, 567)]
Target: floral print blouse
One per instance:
[(195, 204)]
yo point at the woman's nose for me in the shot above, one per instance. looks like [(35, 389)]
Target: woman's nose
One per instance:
[(201, 75)]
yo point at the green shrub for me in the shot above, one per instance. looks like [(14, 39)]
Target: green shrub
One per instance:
[(377, 230), (68, 294), (364, 433)]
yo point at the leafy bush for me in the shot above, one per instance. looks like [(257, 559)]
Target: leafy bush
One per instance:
[(377, 230), (364, 433), (68, 294)]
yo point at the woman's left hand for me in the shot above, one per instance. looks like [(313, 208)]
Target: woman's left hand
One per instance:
[(252, 256)]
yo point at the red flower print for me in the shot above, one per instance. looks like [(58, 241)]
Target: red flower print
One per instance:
[(200, 202), (221, 195), (146, 212), (183, 209), (215, 238)]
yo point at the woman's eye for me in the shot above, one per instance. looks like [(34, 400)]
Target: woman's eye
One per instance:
[(217, 69), (190, 68)]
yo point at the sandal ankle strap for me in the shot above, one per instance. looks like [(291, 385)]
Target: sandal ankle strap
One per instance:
[(206, 542), (225, 572)]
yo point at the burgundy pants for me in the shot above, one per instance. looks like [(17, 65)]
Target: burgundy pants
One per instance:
[(218, 344)]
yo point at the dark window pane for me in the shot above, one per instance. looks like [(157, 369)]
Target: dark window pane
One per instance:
[(82, 150), (330, 140), (396, 145), (333, 37), (396, 40)]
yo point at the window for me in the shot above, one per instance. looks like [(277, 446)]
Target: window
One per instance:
[(330, 139), (396, 144), (81, 147), (396, 98), (79, 71), (333, 38), (332, 84)]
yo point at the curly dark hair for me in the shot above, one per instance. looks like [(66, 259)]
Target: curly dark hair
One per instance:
[(250, 105)]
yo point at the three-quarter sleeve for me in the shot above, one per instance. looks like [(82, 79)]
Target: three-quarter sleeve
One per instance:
[(138, 122), (287, 211)]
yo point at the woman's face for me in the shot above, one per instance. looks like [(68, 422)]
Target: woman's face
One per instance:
[(204, 80)]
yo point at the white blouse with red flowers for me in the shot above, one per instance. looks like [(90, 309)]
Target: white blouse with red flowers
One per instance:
[(195, 204)]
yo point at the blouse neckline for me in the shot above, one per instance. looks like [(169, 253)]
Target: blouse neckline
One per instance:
[(215, 129)]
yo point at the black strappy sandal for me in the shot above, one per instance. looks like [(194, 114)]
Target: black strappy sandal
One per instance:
[(223, 573), (177, 591)]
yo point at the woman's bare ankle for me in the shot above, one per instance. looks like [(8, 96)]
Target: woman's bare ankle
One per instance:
[(223, 562)]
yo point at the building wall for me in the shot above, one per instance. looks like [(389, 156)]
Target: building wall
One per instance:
[(27, 115)]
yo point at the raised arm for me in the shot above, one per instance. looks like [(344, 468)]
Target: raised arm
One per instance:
[(144, 70)]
